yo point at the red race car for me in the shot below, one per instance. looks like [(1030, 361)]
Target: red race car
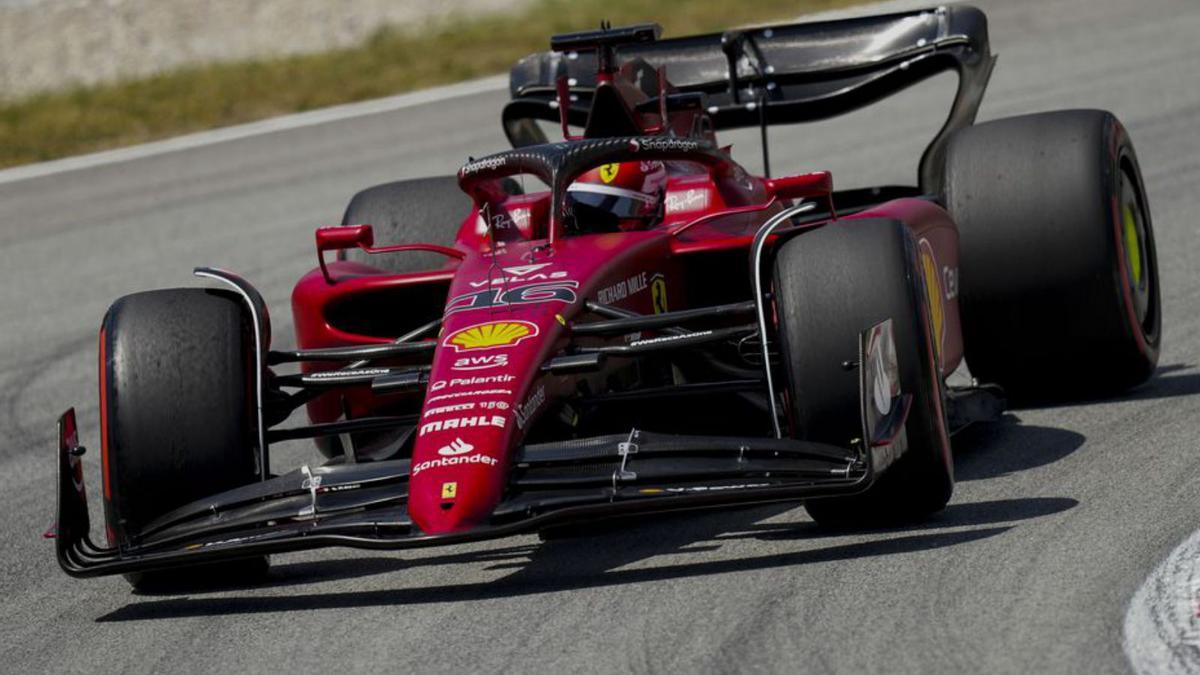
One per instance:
[(627, 321)]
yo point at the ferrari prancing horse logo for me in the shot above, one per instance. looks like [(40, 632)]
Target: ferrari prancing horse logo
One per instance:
[(658, 294), (608, 172)]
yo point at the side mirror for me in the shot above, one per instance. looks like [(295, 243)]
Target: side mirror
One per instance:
[(341, 238), (801, 186), (344, 237)]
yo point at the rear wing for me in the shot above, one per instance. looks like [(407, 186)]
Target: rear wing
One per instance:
[(783, 74)]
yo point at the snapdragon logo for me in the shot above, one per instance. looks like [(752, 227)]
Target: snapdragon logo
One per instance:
[(482, 165), (665, 144)]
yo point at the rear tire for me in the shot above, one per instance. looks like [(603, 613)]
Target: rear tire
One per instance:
[(178, 394), (422, 210), (1059, 276), (832, 285)]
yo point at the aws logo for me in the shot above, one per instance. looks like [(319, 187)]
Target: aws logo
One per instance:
[(480, 362)]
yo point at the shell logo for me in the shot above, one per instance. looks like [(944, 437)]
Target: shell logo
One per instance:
[(933, 290), (490, 335)]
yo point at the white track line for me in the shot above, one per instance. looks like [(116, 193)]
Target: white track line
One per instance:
[(1162, 624), (222, 135)]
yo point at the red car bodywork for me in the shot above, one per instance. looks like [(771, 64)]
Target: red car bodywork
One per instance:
[(486, 396), (526, 382)]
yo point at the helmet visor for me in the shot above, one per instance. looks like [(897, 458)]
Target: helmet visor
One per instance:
[(616, 206), (604, 208)]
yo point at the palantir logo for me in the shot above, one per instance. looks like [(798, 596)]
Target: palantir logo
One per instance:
[(458, 447)]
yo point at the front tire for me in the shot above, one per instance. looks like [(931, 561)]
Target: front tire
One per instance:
[(177, 392), (831, 285)]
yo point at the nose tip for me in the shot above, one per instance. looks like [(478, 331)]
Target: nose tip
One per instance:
[(453, 501), (447, 517)]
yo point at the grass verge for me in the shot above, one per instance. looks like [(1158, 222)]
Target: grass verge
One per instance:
[(52, 125)]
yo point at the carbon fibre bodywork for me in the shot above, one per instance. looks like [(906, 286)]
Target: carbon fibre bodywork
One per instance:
[(786, 73)]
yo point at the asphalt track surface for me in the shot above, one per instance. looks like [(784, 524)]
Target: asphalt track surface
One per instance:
[(1059, 515)]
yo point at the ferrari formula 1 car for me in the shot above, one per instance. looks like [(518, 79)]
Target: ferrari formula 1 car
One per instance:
[(626, 321)]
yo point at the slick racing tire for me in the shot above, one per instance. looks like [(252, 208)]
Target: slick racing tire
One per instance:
[(831, 285), (421, 210), (177, 416), (1059, 285)]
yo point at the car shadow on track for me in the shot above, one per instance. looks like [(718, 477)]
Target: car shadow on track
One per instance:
[(619, 558), (1163, 385), (994, 450), (1168, 381), (336, 569), (992, 512)]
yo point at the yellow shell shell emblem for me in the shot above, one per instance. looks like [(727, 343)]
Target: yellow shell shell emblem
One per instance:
[(933, 289), (608, 172), (491, 335)]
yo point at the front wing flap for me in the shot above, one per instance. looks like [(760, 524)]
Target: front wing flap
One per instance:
[(364, 505)]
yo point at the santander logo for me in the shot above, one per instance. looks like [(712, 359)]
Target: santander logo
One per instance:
[(457, 447)]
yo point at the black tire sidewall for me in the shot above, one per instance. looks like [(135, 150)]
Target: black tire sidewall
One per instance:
[(1148, 343), (1044, 304), (178, 400), (831, 285)]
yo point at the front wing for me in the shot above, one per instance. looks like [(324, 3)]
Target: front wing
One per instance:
[(363, 505), (550, 484)]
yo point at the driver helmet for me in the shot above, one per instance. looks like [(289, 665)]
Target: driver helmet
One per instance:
[(620, 197)]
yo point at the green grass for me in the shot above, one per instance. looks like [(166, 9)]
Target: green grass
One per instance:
[(88, 119)]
